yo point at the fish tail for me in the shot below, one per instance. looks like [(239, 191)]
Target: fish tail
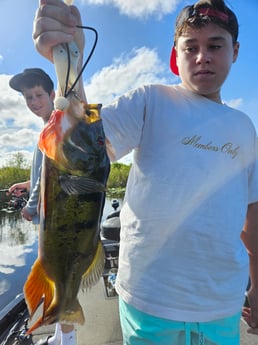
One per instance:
[(74, 316), (95, 271), (37, 287)]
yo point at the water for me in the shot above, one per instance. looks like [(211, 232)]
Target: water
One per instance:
[(18, 248)]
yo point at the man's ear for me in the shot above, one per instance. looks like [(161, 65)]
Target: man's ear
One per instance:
[(52, 95), (235, 51)]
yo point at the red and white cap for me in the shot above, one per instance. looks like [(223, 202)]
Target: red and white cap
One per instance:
[(189, 13)]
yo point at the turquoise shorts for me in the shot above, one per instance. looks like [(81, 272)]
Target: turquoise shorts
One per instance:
[(139, 328)]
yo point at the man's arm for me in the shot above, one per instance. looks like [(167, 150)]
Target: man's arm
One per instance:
[(249, 236), (20, 188), (56, 23)]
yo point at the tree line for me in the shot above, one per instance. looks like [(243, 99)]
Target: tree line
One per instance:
[(17, 169)]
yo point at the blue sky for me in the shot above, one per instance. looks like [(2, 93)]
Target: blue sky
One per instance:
[(135, 39)]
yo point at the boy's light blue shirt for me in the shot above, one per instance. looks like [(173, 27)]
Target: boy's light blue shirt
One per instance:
[(32, 204)]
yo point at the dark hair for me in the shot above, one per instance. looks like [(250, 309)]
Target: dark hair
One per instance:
[(31, 82), (30, 78), (204, 12)]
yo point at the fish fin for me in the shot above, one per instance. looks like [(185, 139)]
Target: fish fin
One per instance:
[(51, 135), (48, 318), (37, 287), (95, 271), (36, 325), (74, 316), (92, 112), (72, 184)]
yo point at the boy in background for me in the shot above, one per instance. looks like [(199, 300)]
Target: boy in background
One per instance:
[(37, 89)]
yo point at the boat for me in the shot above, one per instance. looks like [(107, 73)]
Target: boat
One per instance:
[(110, 228), (110, 235), (102, 325), (14, 318), (13, 323)]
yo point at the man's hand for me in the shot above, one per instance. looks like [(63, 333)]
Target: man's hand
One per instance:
[(25, 214), (19, 189), (56, 23), (250, 314)]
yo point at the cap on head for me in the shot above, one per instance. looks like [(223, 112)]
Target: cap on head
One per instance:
[(31, 77), (199, 15)]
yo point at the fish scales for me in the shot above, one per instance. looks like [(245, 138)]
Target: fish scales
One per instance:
[(75, 169)]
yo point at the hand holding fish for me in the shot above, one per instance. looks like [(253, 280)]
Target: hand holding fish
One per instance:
[(25, 214), (56, 23), (250, 314), (74, 173)]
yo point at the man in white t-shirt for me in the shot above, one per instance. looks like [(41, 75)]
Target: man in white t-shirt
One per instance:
[(193, 186)]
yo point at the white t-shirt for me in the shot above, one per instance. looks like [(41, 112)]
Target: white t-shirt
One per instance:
[(192, 178)]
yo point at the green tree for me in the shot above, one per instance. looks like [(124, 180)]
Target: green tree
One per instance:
[(117, 178), (18, 161), (17, 169)]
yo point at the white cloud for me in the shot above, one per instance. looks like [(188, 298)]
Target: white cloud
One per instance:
[(140, 66), (235, 103), (19, 128), (13, 253), (136, 8)]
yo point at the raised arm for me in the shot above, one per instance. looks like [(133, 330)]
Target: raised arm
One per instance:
[(56, 23)]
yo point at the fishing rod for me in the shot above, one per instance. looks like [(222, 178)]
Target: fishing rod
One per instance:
[(6, 190), (15, 203)]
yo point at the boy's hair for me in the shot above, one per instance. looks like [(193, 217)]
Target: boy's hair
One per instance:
[(30, 78), (200, 14)]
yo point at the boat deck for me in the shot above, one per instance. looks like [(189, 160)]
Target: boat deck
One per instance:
[(102, 321), (102, 325)]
